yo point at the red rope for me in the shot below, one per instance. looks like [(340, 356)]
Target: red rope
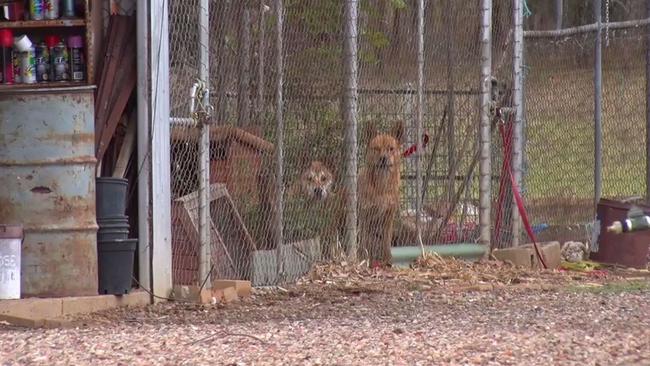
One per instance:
[(503, 181), (518, 199)]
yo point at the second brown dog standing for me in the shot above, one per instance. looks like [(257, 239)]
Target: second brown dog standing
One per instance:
[(379, 193)]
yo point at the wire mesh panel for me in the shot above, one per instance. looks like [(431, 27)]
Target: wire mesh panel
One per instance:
[(244, 139), (560, 117)]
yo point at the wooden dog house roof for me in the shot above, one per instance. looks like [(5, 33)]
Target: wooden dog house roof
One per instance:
[(223, 134)]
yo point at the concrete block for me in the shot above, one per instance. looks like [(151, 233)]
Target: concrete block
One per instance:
[(243, 288), (300, 255), (525, 256), (24, 322), (32, 308), (91, 304)]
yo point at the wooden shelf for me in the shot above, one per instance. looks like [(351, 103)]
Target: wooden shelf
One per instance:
[(44, 23), (51, 85)]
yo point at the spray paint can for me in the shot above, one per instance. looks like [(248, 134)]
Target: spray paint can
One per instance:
[(51, 9), (6, 61), (77, 59), (51, 41), (36, 9), (15, 61), (28, 65), (60, 62), (68, 8), (42, 63)]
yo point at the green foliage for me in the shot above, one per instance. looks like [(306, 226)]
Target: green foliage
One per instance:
[(398, 4)]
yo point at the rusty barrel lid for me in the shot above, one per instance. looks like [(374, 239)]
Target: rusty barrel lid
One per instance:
[(11, 231)]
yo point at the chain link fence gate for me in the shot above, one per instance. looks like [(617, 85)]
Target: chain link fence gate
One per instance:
[(315, 164)]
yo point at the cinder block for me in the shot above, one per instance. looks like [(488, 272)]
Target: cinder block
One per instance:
[(525, 255), (243, 288)]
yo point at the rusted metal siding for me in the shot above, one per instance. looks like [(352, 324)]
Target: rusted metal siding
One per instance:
[(47, 180)]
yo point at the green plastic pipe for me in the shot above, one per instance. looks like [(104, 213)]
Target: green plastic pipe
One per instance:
[(403, 256)]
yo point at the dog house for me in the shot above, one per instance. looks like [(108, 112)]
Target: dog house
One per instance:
[(236, 159)]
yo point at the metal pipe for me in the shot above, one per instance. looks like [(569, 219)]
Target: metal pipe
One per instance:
[(143, 145), (598, 108), (559, 13), (647, 106), (350, 99), (586, 29), (419, 128), (518, 98), (260, 64), (279, 136), (183, 122), (485, 168), (243, 88), (204, 147), (451, 148)]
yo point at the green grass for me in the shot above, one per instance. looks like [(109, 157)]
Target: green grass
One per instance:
[(560, 133), (612, 288)]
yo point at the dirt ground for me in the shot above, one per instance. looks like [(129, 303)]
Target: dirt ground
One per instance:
[(446, 313)]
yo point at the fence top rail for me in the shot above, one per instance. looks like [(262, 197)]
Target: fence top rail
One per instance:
[(586, 29)]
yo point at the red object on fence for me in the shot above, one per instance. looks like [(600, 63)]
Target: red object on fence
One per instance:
[(414, 147)]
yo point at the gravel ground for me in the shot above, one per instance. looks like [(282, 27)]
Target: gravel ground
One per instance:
[(370, 318)]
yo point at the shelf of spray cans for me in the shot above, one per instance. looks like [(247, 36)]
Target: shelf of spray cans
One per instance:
[(47, 61), (41, 13), (42, 43)]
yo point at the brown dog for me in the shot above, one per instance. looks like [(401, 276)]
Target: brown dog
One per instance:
[(316, 188), (316, 182), (379, 193)]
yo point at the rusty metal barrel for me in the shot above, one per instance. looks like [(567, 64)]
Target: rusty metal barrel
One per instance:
[(47, 184)]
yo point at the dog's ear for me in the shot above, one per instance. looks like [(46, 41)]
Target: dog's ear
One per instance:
[(398, 131), (369, 131)]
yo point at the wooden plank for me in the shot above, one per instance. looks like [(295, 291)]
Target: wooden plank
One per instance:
[(113, 61), (45, 23), (123, 88), (126, 150)]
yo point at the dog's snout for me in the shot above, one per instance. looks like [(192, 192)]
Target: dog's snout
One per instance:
[(383, 160), (318, 192)]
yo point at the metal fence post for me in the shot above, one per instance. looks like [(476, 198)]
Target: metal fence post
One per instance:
[(204, 148), (559, 13), (598, 108), (350, 96), (518, 98), (279, 144), (259, 110), (485, 168), (451, 112), (419, 128), (647, 105), (243, 86)]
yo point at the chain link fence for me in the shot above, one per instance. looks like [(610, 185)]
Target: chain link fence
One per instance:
[(560, 117), (243, 80)]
